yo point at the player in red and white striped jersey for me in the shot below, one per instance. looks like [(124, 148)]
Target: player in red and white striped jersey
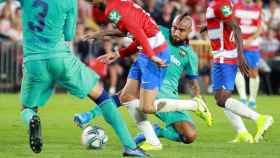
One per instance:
[(248, 15), (226, 42)]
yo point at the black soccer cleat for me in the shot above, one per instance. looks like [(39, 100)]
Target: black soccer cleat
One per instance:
[(35, 135)]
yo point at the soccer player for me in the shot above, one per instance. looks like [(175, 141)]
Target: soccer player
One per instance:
[(48, 60), (226, 42), (147, 73), (248, 14), (178, 125)]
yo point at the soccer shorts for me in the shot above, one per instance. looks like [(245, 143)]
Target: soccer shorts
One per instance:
[(253, 58), (223, 76), (41, 76), (149, 74)]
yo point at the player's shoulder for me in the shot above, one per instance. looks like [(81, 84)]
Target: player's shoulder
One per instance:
[(188, 52)]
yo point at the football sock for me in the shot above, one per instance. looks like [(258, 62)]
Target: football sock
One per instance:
[(148, 131), (171, 105), (235, 121), (96, 112), (116, 100), (240, 85), (142, 123), (26, 115), (254, 88), (238, 108), (114, 118)]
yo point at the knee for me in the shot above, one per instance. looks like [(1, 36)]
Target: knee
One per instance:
[(221, 99), (147, 109), (189, 137)]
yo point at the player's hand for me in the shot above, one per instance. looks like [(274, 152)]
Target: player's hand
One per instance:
[(158, 61), (243, 66), (108, 58), (92, 36)]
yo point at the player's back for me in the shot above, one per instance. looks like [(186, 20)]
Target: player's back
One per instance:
[(46, 26)]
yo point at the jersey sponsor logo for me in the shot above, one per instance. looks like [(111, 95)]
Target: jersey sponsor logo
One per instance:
[(114, 17), (226, 10), (175, 60)]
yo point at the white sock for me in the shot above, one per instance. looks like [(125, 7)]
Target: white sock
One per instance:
[(240, 85), (254, 88), (148, 131), (235, 121), (238, 108), (171, 105), (143, 124), (133, 110)]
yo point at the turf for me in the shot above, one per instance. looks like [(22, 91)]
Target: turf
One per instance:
[(62, 138)]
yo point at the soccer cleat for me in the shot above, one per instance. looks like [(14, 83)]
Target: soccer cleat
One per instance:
[(35, 135), (263, 123), (149, 147), (82, 120), (252, 105), (243, 137), (134, 152), (203, 111)]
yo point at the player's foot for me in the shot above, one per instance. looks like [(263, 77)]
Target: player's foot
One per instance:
[(244, 101), (243, 137), (82, 120), (141, 138), (35, 135), (149, 147), (203, 111), (134, 152), (263, 123), (252, 105)]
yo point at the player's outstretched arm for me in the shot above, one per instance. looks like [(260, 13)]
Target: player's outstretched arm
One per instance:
[(243, 66), (101, 34)]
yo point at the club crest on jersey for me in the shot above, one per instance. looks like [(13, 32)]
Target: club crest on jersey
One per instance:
[(114, 17), (226, 10), (182, 52)]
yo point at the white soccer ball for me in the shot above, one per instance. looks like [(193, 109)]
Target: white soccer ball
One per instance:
[(94, 137)]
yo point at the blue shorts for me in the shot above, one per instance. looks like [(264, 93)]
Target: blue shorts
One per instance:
[(253, 58), (149, 74), (223, 76)]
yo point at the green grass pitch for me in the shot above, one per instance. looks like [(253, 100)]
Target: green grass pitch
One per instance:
[(62, 138)]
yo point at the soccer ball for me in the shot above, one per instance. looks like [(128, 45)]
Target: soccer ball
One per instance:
[(94, 137)]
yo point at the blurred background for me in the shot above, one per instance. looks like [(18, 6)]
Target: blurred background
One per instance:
[(114, 76)]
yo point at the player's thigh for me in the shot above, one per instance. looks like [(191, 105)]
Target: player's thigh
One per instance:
[(74, 76), (37, 84)]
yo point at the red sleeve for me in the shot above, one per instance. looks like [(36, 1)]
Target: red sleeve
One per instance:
[(139, 35), (132, 48)]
